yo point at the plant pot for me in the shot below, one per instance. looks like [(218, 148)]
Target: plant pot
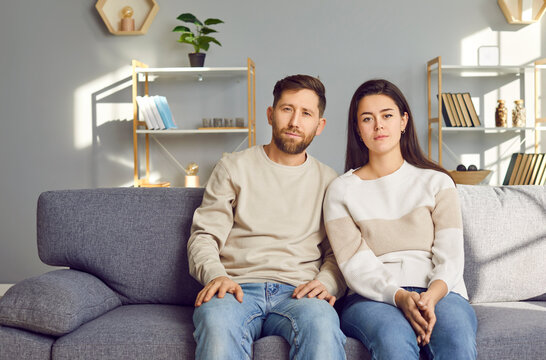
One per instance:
[(197, 59)]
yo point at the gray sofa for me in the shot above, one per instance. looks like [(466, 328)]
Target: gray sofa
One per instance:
[(126, 293)]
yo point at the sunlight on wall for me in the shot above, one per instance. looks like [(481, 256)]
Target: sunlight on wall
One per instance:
[(83, 104), (515, 47)]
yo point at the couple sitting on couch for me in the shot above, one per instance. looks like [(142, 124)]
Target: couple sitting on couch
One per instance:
[(393, 222)]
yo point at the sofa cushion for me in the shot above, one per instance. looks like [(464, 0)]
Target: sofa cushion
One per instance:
[(56, 303), (132, 332), (21, 344), (505, 242), (511, 330), (134, 239)]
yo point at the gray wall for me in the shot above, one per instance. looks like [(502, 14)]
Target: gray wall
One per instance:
[(64, 105)]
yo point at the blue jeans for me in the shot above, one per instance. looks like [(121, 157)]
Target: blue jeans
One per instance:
[(225, 328), (386, 333)]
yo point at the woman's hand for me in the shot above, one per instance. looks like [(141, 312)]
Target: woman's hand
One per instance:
[(427, 303), (407, 302)]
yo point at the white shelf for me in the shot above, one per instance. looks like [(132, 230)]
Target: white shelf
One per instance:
[(193, 73), (194, 131), (484, 71), (486, 129)]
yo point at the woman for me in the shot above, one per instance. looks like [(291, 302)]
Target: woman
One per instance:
[(394, 223)]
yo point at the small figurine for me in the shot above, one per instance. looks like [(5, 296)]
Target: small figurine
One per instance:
[(192, 179), (518, 114), (127, 21)]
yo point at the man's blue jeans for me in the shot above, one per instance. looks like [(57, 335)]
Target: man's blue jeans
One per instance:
[(225, 328), (386, 333)]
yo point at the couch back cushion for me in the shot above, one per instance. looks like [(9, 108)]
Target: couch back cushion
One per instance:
[(133, 239), (505, 242)]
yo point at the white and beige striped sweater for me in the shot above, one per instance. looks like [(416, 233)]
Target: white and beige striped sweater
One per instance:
[(403, 229)]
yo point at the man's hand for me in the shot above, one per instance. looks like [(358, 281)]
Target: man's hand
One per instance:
[(220, 285), (313, 289), (407, 302)]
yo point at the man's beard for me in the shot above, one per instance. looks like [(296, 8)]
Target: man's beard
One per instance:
[(291, 145)]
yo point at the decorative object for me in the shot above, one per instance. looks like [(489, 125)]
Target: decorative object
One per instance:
[(518, 114), (199, 39), (218, 122), (522, 11), (127, 21), (192, 179), (228, 122), (206, 122), (469, 177), (501, 114), (144, 12), (240, 122), (488, 56)]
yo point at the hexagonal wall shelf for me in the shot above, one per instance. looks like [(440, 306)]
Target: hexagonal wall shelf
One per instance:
[(522, 11), (144, 12)]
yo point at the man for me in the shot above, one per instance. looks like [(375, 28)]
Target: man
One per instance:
[(258, 242)]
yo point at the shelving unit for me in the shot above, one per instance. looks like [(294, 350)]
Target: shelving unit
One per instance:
[(436, 121), (142, 73)]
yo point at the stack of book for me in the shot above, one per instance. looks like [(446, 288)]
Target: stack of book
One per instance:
[(526, 169), (155, 112), (458, 110)]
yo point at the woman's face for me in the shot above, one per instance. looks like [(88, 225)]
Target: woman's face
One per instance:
[(380, 124)]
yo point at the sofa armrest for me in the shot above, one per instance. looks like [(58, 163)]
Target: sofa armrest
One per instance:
[(57, 302)]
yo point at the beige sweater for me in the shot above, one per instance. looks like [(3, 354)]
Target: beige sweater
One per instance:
[(261, 221)]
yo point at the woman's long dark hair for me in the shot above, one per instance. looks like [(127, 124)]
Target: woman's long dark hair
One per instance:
[(358, 154)]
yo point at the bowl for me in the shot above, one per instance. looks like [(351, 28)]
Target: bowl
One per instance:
[(469, 177)]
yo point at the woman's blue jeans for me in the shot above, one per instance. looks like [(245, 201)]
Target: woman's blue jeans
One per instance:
[(225, 328), (386, 333)]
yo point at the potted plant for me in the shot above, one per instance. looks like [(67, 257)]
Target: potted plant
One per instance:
[(200, 39)]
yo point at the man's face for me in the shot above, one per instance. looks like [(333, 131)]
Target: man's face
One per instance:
[(295, 120)]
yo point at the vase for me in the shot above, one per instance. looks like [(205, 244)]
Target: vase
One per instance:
[(197, 59), (501, 114), (518, 114)]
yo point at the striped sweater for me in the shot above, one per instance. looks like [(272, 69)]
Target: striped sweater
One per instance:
[(403, 229)]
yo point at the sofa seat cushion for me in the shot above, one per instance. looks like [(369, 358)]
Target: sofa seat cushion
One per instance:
[(132, 332), (21, 344), (511, 330)]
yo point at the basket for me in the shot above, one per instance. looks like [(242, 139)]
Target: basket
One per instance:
[(469, 177)]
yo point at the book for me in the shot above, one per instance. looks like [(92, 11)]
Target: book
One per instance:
[(164, 111), (144, 112), (453, 110), (512, 169), (446, 112), (541, 172), (534, 173), (522, 166), (471, 109), (167, 108), (529, 172), (464, 111), (155, 114)]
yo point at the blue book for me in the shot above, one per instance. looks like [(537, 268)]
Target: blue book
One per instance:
[(164, 111)]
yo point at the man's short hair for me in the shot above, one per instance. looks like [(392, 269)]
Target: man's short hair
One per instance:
[(300, 82)]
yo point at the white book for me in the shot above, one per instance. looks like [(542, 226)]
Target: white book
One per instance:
[(157, 118), (144, 113)]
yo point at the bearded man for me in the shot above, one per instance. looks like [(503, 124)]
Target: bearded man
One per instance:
[(258, 243)]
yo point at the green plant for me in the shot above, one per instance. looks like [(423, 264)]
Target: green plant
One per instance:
[(200, 39)]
